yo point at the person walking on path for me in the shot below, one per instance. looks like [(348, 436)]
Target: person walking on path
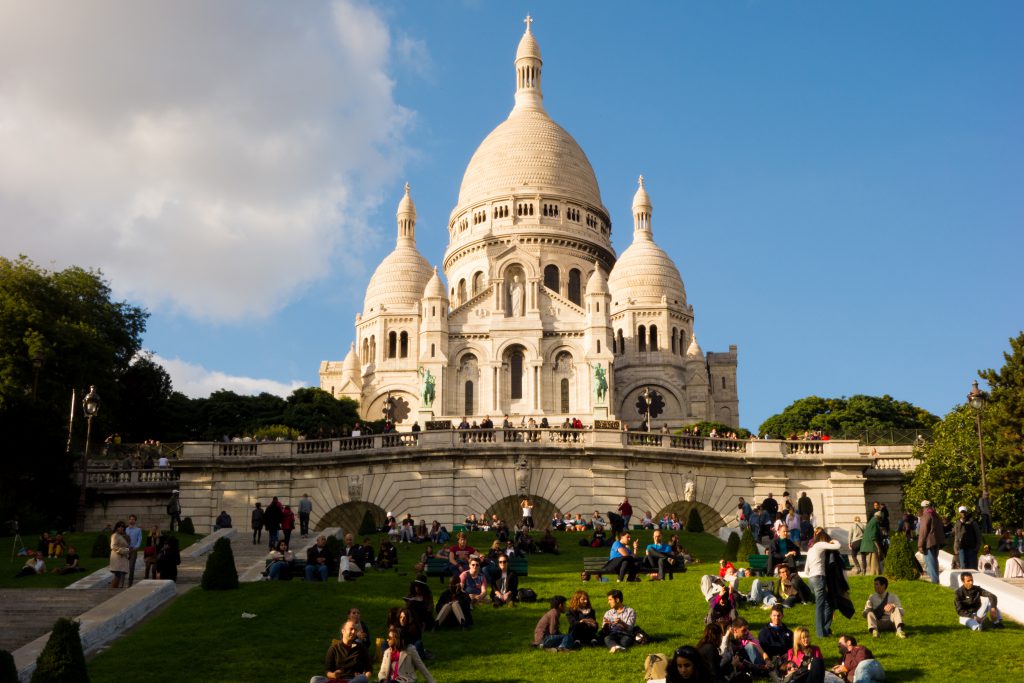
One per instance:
[(257, 523), (930, 537), (305, 510), (626, 512), (174, 509), (966, 539), (272, 517)]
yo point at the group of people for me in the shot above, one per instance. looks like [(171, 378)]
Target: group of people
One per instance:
[(160, 554), (52, 547), (278, 519)]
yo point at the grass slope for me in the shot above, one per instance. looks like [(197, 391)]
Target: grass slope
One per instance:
[(296, 621)]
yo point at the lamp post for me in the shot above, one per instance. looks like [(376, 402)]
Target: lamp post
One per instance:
[(37, 365), (976, 398), (91, 406), (647, 402), (388, 409)]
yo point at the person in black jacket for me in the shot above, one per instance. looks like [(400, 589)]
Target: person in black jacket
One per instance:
[(504, 585), (318, 560), (775, 638), (272, 517), (583, 625), (453, 606), (975, 606)]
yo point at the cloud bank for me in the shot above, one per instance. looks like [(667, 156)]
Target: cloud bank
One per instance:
[(209, 157), (195, 381)]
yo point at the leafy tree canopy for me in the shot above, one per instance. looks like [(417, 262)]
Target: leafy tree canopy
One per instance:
[(846, 415), (1004, 415)]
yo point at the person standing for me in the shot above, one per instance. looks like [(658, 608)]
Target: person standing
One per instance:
[(305, 510), (870, 544), (805, 506), (118, 555), (966, 539), (174, 509), (930, 537), (527, 514), (815, 565), (287, 524), (856, 536), (257, 523), (272, 517), (134, 533), (626, 512)]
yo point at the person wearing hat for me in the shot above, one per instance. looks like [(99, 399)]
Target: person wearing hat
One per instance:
[(966, 539), (930, 538)]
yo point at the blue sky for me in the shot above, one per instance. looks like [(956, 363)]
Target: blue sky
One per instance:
[(839, 183)]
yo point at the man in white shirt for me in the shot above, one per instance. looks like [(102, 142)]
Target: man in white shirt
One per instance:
[(883, 610)]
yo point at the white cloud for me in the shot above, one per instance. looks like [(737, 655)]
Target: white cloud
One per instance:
[(195, 381), (211, 158)]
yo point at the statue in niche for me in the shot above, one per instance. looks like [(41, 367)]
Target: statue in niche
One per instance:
[(355, 486), (522, 475), (516, 292), (689, 490), (427, 384), (600, 383)]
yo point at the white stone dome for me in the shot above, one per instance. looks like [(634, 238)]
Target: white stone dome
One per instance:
[(597, 284), (404, 273), (435, 288)]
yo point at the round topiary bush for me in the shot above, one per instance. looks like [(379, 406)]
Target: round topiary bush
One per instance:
[(62, 660), (900, 562), (731, 547), (694, 523), (8, 672), (220, 573), (101, 546), (748, 546), (186, 526)]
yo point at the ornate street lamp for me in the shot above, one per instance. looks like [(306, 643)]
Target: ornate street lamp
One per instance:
[(91, 406), (648, 399), (976, 398), (389, 406), (37, 365)]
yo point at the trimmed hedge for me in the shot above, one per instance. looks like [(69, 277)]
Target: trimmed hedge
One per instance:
[(694, 524), (8, 672), (62, 660), (220, 573), (732, 546), (101, 546), (186, 526), (900, 562), (748, 546)]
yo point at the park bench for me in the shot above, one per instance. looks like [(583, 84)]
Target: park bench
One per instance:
[(594, 565), (440, 567), (758, 564), (296, 567)]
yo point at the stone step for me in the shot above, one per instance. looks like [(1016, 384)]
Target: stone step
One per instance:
[(28, 613)]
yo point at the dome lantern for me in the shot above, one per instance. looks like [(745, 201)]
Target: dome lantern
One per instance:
[(406, 216), (528, 67), (642, 210)]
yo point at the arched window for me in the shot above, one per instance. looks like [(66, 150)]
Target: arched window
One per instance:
[(564, 387), (682, 342), (551, 277), (675, 333), (469, 398), (366, 351), (478, 283), (432, 347), (462, 291), (622, 342), (403, 345), (574, 287), (373, 348), (392, 344), (599, 346), (641, 338), (723, 383), (516, 371), (654, 337), (725, 415)]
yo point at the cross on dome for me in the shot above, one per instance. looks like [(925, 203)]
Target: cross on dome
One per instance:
[(640, 181), (528, 21)]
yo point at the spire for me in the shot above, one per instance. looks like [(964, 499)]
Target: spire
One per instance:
[(406, 216), (641, 212), (528, 66)]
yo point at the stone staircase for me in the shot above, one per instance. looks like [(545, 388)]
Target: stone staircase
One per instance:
[(28, 613)]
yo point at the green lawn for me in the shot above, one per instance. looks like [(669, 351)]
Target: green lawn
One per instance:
[(295, 622), (83, 542)]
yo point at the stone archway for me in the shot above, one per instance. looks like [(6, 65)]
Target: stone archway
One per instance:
[(711, 518), (349, 517), (510, 510)]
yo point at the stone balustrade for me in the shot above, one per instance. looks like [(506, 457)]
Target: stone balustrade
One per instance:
[(107, 476), (498, 438)]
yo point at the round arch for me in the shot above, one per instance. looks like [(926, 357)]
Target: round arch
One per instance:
[(529, 266), (510, 510), (407, 399), (532, 352), (349, 516), (711, 518)]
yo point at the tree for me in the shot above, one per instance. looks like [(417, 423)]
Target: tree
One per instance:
[(1004, 416), (846, 415), (316, 413), (62, 659), (146, 391), (8, 670)]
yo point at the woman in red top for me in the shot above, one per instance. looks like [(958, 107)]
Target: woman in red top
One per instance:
[(799, 657), (287, 524)]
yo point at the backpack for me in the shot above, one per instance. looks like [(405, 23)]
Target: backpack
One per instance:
[(527, 595), (655, 666)]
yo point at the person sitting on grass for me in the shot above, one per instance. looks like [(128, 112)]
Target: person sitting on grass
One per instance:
[(34, 565), (708, 646), (57, 545), (473, 581), (722, 608), (740, 653), (318, 560), (71, 563), (547, 543), (409, 626), (975, 606), (883, 610), (802, 657), (453, 607), (1014, 568), (280, 559), (859, 664), (622, 559), (619, 623), (659, 557), (688, 666), (347, 660), (546, 633), (784, 551), (775, 638), (792, 589), (401, 661), (355, 615), (505, 585), (598, 539), (420, 601), (387, 554), (428, 554), (459, 554), (987, 562), (582, 619)]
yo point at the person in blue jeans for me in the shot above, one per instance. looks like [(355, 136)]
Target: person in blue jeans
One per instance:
[(547, 633), (815, 565), (619, 623), (318, 560)]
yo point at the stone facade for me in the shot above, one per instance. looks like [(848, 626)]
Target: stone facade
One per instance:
[(538, 314)]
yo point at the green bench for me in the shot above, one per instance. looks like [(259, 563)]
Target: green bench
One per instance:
[(594, 565), (758, 564), (439, 567)]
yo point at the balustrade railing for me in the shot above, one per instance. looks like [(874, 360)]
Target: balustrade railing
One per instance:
[(107, 476), (806, 447), (728, 445)]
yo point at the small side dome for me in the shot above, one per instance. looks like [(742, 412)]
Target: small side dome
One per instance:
[(435, 288), (351, 362), (597, 283), (694, 350)]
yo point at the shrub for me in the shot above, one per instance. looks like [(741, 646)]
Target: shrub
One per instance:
[(8, 672), (731, 547), (694, 524), (220, 573), (369, 526), (186, 526), (101, 546), (900, 562), (333, 546), (62, 660), (273, 432), (748, 546)]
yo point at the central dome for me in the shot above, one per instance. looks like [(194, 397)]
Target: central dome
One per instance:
[(529, 150)]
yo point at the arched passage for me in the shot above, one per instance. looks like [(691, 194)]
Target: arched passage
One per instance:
[(510, 510), (349, 516), (708, 515)]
